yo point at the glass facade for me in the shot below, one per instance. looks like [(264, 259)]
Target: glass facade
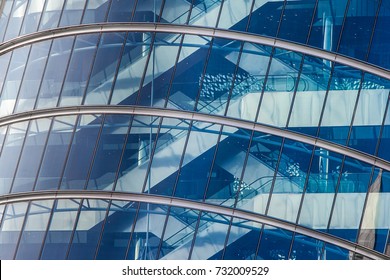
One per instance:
[(194, 129)]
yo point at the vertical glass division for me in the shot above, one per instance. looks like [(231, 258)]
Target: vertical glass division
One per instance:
[(60, 229), (55, 154), (31, 155), (197, 160), (32, 16), (10, 154), (117, 230), (51, 14), (89, 226), (16, 19), (205, 12), (81, 152), (275, 244), (13, 80), (11, 228), (249, 81), (32, 77), (358, 28), (6, 12), (34, 230), (383, 149), (79, 69), (104, 68), (96, 11), (234, 15), (108, 152), (72, 12), (176, 11), (306, 248), (340, 104), (55, 71), (147, 11), (265, 17), (121, 11)]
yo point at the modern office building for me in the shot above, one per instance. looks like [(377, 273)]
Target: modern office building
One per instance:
[(190, 129)]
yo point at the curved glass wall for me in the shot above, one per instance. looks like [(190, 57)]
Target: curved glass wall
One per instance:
[(296, 130)]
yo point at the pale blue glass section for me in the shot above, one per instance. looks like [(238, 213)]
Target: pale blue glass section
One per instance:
[(121, 11), (32, 17), (96, 11), (5, 17), (52, 13), (72, 12), (16, 19)]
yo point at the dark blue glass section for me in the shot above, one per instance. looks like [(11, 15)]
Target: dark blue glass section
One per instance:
[(306, 248), (121, 11), (265, 17), (274, 244)]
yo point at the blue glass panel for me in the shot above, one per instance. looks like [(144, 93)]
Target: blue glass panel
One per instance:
[(266, 17), (10, 155), (31, 155), (104, 68), (358, 28), (51, 14), (243, 239), (327, 24), (117, 231), (54, 156), (306, 248), (178, 233), (290, 181), (32, 76), (167, 155), (213, 230), (379, 54), (4, 62), (109, 152), (189, 70), (34, 230), (60, 230), (332, 252), (147, 232), (132, 64), (121, 11), (5, 17), (296, 20), (274, 244), (160, 69), (218, 79), (136, 157), (88, 229), (147, 11), (11, 229), (383, 151), (72, 12), (205, 12), (234, 15), (96, 11), (32, 16), (197, 160), (13, 79), (249, 82), (176, 11), (16, 19), (79, 69), (54, 76), (81, 152)]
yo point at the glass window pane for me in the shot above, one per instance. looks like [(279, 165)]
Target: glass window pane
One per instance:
[(32, 16), (121, 11), (16, 19), (117, 231), (54, 156), (234, 15), (5, 17), (147, 11), (306, 248), (54, 75), (72, 12), (88, 229), (51, 14), (32, 77), (10, 155), (81, 152), (109, 152), (10, 229), (60, 229), (34, 230), (275, 244), (265, 17), (31, 155), (205, 12), (104, 68), (96, 11), (79, 69), (176, 11)]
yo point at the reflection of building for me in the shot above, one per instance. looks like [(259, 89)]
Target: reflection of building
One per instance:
[(184, 129)]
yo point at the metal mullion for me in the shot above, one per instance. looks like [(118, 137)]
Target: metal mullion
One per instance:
[(76, 221), (22, 230), (343, 26), (132, 230), (133, 11), (159, 17), (195, 233), (102, 230), (373, 30), (9, 18), (95, 149), (378, 144), (21, 24), (118, 66), (302, 197), (20, 155), (76, 124), (55, 203)]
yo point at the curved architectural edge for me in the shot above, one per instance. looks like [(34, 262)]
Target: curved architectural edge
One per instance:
[(196, 116), (191, 30), (195, 205)]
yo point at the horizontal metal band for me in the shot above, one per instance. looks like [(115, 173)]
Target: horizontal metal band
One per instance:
[(196, 116), (196, 205), (192, 30)]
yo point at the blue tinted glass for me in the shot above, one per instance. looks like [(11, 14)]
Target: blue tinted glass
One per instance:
[(234, 15), (306, 248), (88, 229), (117, 231), (16, 19), (121, 11), (96, 11), (4, 17), (32, 16), (147, 11), (176, 11), (34, 230), (51, 14), (60, 230), (265, 17), (81, 152), (54, 157), (274, 244), (72, 12)]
